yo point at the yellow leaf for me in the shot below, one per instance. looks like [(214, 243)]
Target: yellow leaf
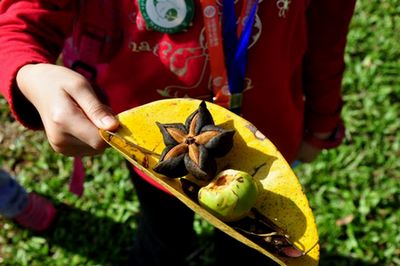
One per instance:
[(282, 199)]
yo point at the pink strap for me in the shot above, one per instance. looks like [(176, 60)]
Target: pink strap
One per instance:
[(78, 177), (97, 34)]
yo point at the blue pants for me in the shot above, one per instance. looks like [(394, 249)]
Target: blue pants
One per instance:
[(13, 197)]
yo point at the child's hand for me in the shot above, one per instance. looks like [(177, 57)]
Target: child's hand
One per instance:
[(70, 111), (309, 153)]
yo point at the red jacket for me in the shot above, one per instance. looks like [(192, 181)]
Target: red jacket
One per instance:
[(295, 63)]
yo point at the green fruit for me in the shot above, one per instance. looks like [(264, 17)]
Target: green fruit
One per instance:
[(230, 195)]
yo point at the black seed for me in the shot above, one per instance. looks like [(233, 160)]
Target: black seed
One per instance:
[(221, 144), (205, 118), (168, 140), (174, 167)]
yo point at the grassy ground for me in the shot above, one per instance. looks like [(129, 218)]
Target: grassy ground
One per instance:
[(353, 190)]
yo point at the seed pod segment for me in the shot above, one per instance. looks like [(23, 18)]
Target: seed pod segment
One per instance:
[(193, 146)]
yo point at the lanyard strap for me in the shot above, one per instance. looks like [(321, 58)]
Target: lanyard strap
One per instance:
[(227, 49), (219, 78)]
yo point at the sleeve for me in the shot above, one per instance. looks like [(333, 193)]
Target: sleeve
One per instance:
[(30, 32), (327, 25)]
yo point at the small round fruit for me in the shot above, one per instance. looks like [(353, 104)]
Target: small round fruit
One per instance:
[(230, 195)]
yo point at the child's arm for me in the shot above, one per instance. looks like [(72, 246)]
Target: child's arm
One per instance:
[(32, 34), (68, 107), (328, 23)]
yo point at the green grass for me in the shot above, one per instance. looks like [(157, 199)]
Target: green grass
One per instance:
[(361, 179), (354, 190)]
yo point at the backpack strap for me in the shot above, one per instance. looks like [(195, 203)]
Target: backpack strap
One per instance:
[(96, 36)]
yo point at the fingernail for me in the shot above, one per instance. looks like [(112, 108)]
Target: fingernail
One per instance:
[(108, 121)]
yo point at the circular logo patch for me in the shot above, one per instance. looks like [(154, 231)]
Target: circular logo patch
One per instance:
[(168, 16), (209, 11)]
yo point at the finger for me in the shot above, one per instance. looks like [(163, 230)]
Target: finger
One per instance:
[(97, 112), (85, 131), (68, 122), (74, 147)]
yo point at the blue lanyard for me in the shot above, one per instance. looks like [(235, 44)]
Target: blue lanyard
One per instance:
[(235, 50)]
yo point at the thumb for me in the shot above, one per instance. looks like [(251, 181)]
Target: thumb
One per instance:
[(98, 113), (102, 116)]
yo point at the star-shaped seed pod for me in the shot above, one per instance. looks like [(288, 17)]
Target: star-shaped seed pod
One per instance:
[(192, 147)]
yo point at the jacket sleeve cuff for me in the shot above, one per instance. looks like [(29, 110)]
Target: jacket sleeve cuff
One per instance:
[(22, 110), (334, 140), (323, 122)]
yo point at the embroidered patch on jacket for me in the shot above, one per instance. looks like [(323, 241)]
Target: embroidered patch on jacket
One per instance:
[(283, 6)]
